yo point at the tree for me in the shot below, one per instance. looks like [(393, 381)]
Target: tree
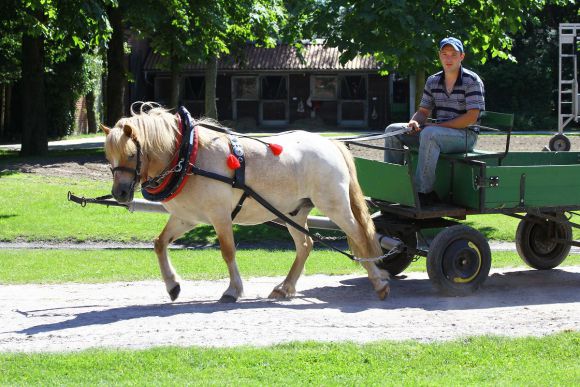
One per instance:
[(403, 35), (49, 30), (185, 31), (529, 86), (116, 67)]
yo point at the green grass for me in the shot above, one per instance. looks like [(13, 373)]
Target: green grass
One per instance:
[(95, 266), (35, 208), (551, 360)]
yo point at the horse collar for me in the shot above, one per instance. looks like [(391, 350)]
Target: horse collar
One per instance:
[(171, 181)]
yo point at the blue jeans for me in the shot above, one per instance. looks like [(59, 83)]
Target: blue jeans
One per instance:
[(431, 141)]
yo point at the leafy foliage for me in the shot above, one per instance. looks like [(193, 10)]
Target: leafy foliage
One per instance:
[(403, 35), (528, 86)]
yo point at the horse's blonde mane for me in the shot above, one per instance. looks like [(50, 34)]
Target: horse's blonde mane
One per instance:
[(154, 126)]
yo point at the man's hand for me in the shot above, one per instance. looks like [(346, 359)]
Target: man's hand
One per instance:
[(414, 125)]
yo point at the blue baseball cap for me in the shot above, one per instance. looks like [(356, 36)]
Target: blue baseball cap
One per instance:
[(453, 42)]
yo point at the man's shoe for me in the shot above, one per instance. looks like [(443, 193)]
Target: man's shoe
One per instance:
[(428, 199)]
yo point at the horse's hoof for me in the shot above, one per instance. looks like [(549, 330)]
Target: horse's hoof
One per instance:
[(384, 292), (174, 293), (227, 299), (278, 294)]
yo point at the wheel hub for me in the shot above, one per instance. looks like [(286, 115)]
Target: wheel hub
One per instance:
[(462, 261), (541, 242)]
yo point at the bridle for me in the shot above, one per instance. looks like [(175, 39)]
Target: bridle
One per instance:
[(135, 171)]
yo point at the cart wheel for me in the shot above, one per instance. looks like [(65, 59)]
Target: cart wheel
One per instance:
[(459, 260), (535, 245), (559, 143), (397, 263)]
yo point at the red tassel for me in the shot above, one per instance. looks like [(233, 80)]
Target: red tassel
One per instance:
[(233, 162), (276, 149)]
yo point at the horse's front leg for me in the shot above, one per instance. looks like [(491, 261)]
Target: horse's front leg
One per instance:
[(174, 228), (226, 238)]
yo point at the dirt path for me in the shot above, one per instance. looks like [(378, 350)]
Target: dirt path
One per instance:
[(327, 308)]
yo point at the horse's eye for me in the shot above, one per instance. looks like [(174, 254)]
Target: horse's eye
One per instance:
[(131, 156)]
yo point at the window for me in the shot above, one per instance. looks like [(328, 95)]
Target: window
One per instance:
[(353, 87), (274, 87), (245, 88), (323, 88)]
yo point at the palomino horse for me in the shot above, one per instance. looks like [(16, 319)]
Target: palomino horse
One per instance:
[(310, 171)]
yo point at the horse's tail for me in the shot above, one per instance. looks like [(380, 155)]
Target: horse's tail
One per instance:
[(359, 207)]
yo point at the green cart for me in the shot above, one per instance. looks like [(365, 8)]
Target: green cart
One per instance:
[(542, 189)]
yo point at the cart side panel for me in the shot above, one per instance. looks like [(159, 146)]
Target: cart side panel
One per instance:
[(534, 186), (541, 158), (464, 192), (385, 181)]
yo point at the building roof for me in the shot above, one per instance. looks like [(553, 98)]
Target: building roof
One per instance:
[(317, 57)]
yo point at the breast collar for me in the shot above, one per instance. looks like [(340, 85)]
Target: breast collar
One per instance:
[(169, 183)]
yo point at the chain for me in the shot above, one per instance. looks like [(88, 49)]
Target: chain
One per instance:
[(176, 169), (392, 251), (329, 238)]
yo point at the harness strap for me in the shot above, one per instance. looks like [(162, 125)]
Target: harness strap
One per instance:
[(254, 195), (239, 205), (239, 173)]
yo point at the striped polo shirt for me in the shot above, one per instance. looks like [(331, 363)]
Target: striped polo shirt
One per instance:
[(468, 93)]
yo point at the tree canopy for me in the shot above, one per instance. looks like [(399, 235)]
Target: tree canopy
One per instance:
[(403, 35)]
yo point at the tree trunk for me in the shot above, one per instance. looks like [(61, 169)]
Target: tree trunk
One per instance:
[(8, 116), (116, 69), (210, 88), (34, 135), (3, 88), (91, 113), (175, 83), (419, 85)]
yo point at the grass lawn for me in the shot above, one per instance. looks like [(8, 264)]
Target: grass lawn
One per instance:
[(34, 207), (548, 361), (59, 266)]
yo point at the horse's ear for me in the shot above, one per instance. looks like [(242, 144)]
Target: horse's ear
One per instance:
[(105, 129), (129, 131)]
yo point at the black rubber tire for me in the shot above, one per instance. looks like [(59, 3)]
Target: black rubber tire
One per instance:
[(397, 263), (559, 143), (458, 261), (534, 246)]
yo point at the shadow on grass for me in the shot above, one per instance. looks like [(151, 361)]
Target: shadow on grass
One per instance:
[(245, 234), (7, 172), (487, 231)]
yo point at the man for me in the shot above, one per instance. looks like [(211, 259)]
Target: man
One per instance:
[(453, 98)]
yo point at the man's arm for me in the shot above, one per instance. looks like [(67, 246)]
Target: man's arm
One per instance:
[(462, 121), (419, 118)]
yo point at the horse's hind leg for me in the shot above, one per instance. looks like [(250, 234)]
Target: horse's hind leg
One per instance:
[(303, 248), (360, 244), (174, 228), (227, 246)]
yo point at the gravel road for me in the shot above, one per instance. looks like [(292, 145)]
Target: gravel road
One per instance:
[(135, 315)]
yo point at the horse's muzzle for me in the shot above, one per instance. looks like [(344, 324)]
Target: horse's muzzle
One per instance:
[(123, 193)]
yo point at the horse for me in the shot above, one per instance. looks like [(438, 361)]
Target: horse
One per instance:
[(310, 171)]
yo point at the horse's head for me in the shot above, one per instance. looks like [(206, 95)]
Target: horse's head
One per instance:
[(123, 151)]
